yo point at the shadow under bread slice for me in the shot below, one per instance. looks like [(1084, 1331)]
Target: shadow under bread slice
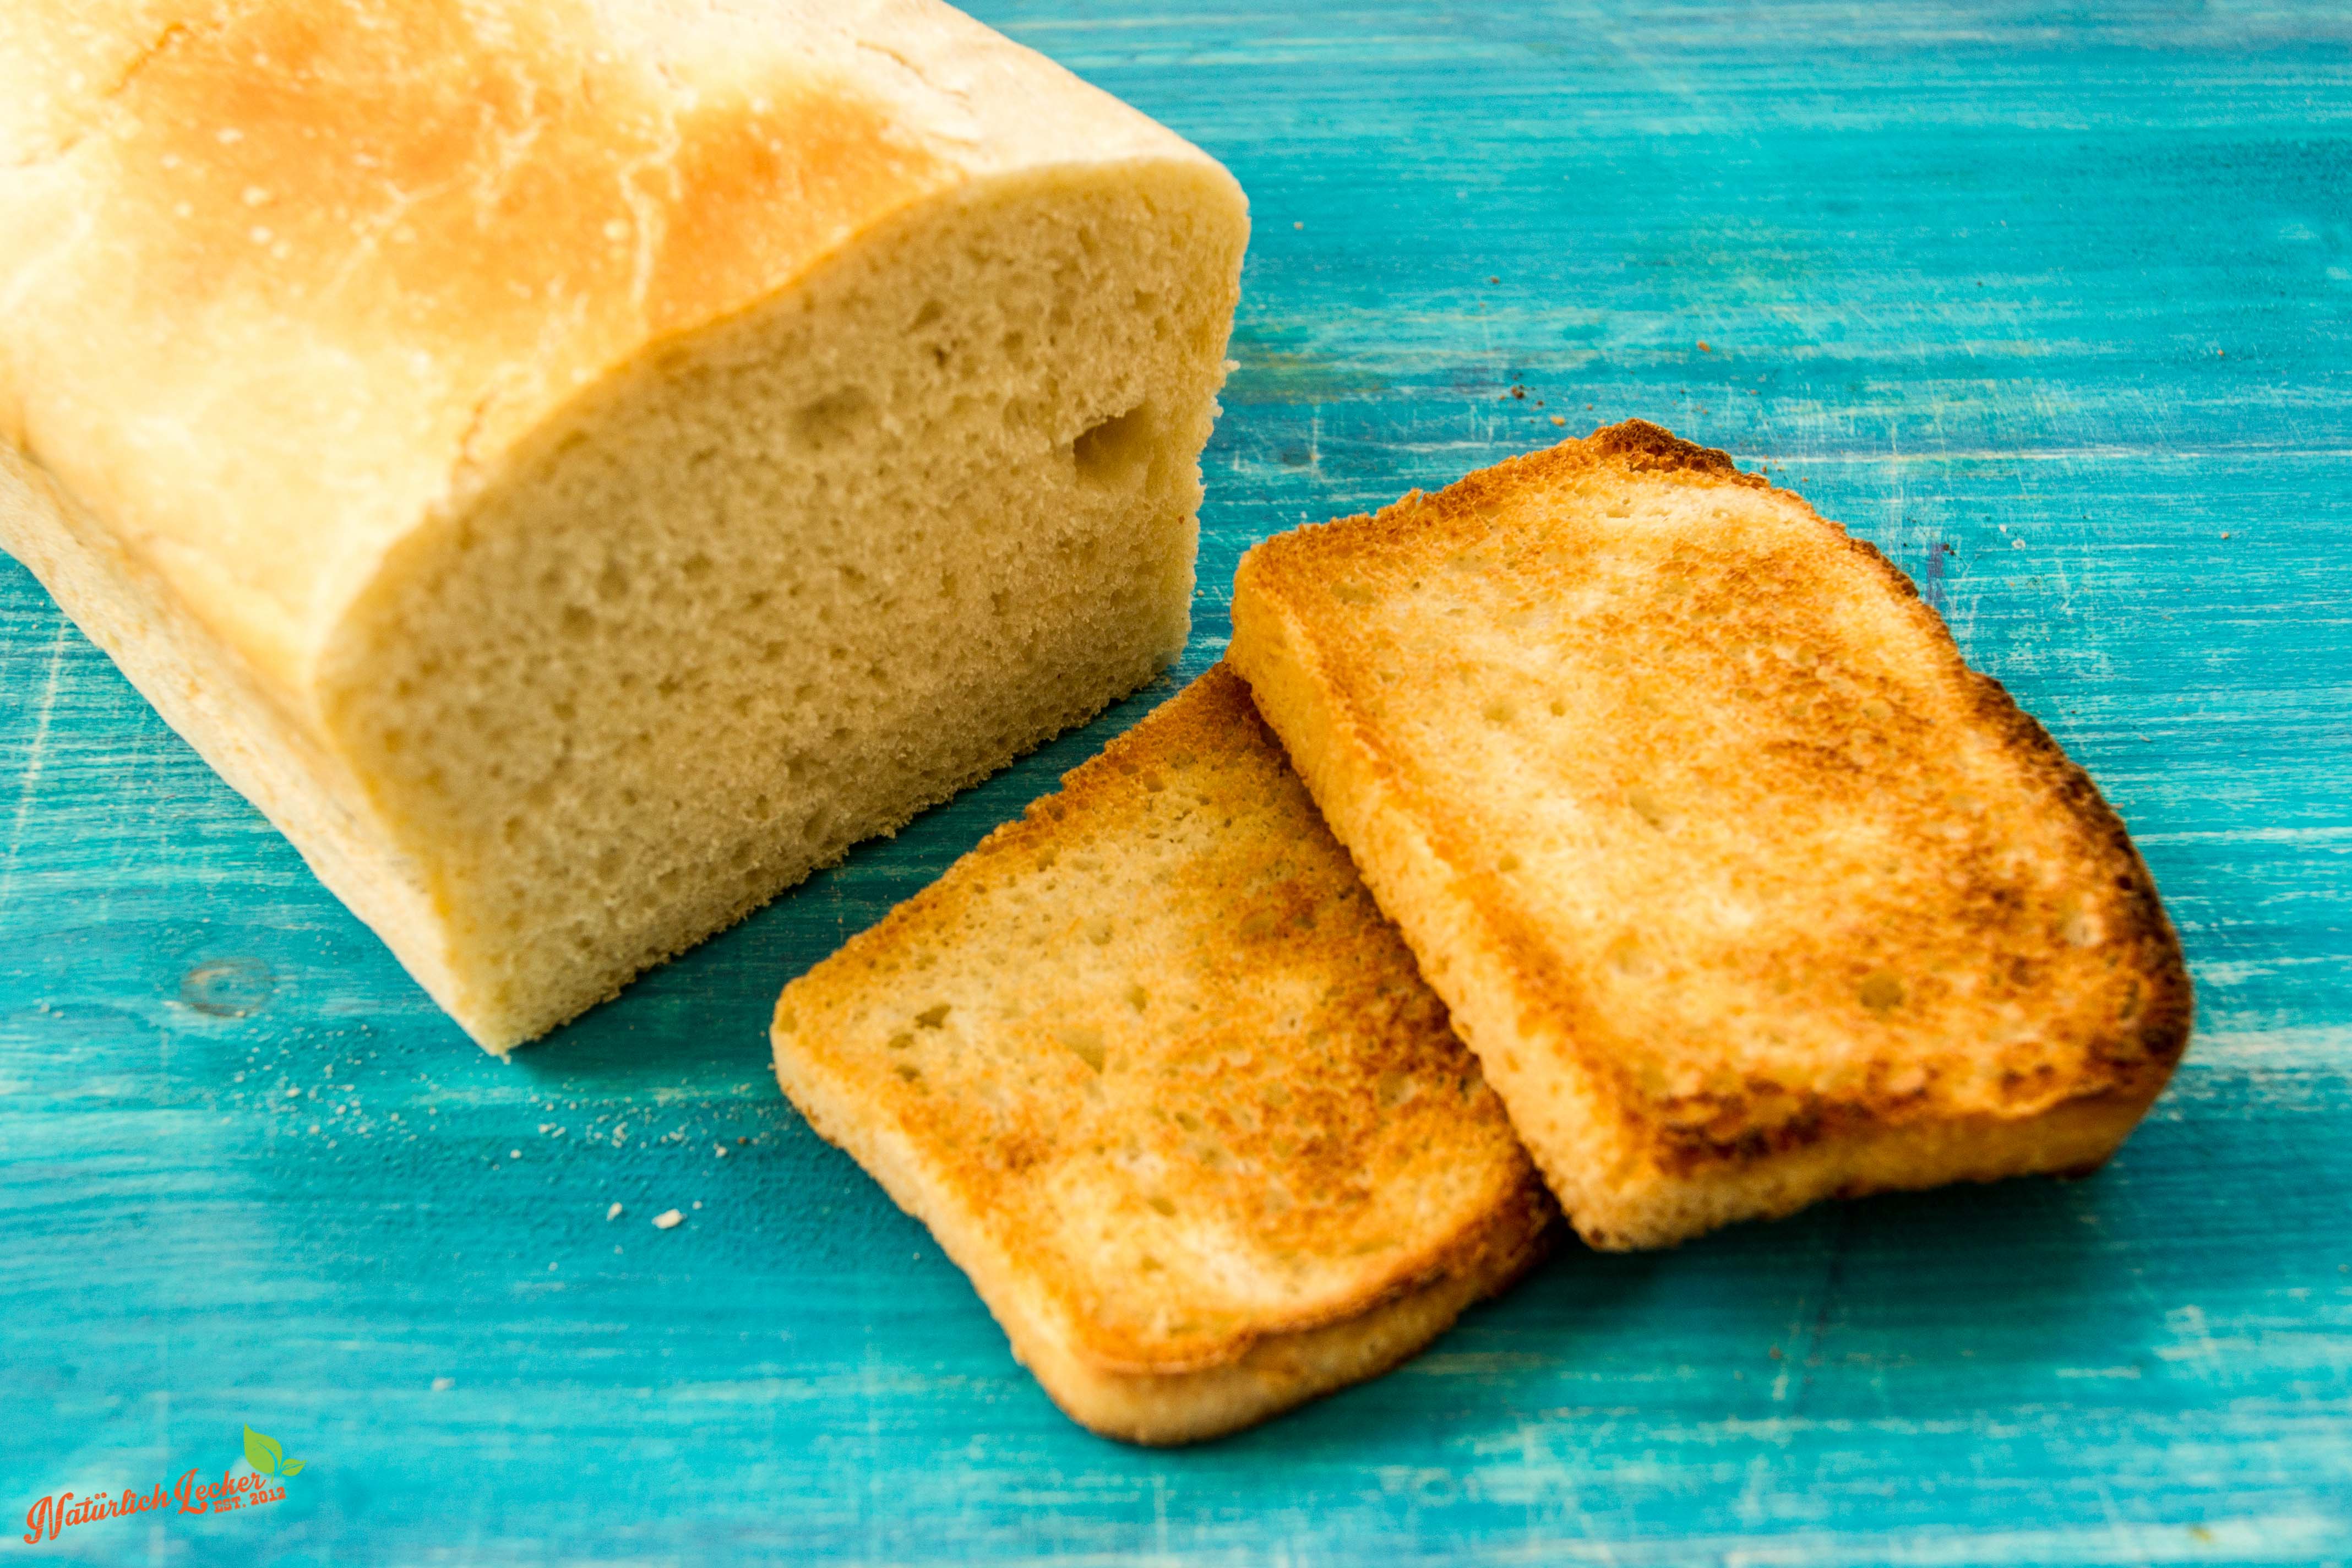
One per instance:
[(1745, 889), (1160, 1078)]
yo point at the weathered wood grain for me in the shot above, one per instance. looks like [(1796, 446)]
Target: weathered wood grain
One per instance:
[(2071, 297)]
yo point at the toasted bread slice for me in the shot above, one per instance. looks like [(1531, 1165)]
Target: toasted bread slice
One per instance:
[(1744, 887), (1159, 1077)]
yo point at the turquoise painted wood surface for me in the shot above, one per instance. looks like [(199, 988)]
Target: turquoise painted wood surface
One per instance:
[(2070, 295)]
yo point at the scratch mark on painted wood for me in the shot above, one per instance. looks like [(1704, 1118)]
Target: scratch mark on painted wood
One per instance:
[(37, 754)]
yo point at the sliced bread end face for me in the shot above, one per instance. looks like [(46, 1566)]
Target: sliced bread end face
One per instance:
[(1745, 889), (1163, 1082)]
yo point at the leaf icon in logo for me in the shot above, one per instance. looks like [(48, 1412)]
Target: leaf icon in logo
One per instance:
[(262, 1453), (293, 1466)]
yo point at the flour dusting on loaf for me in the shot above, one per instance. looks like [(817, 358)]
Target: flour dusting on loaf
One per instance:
[(579, 468)]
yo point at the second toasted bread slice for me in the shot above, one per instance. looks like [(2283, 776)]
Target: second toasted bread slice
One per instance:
[(1162, 1080), (1745, 889)]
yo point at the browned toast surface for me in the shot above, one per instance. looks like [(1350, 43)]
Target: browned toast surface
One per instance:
[(1162, 1081), (1744, 887)]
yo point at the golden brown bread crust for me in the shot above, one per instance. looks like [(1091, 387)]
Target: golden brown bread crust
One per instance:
[(1738, 879), (288, 281), (1153, 1068)]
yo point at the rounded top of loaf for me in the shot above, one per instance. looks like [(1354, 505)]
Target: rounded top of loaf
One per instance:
[(288, 278)]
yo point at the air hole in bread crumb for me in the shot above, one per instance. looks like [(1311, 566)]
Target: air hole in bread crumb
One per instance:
[(1115, 450), (830, 418), (1627, 958), (1881, 992), (933, 1017), (1084, 1042)]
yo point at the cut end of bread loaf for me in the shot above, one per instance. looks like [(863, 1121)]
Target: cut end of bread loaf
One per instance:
[(792, 579), (1745, 889), (1162, 1081)]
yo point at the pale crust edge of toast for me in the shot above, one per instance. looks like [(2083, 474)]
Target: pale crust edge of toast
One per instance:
[(1618, 1198), (1268, 1373), (1408, 880)]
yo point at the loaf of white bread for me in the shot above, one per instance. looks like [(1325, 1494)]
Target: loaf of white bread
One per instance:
[(577, 468)]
